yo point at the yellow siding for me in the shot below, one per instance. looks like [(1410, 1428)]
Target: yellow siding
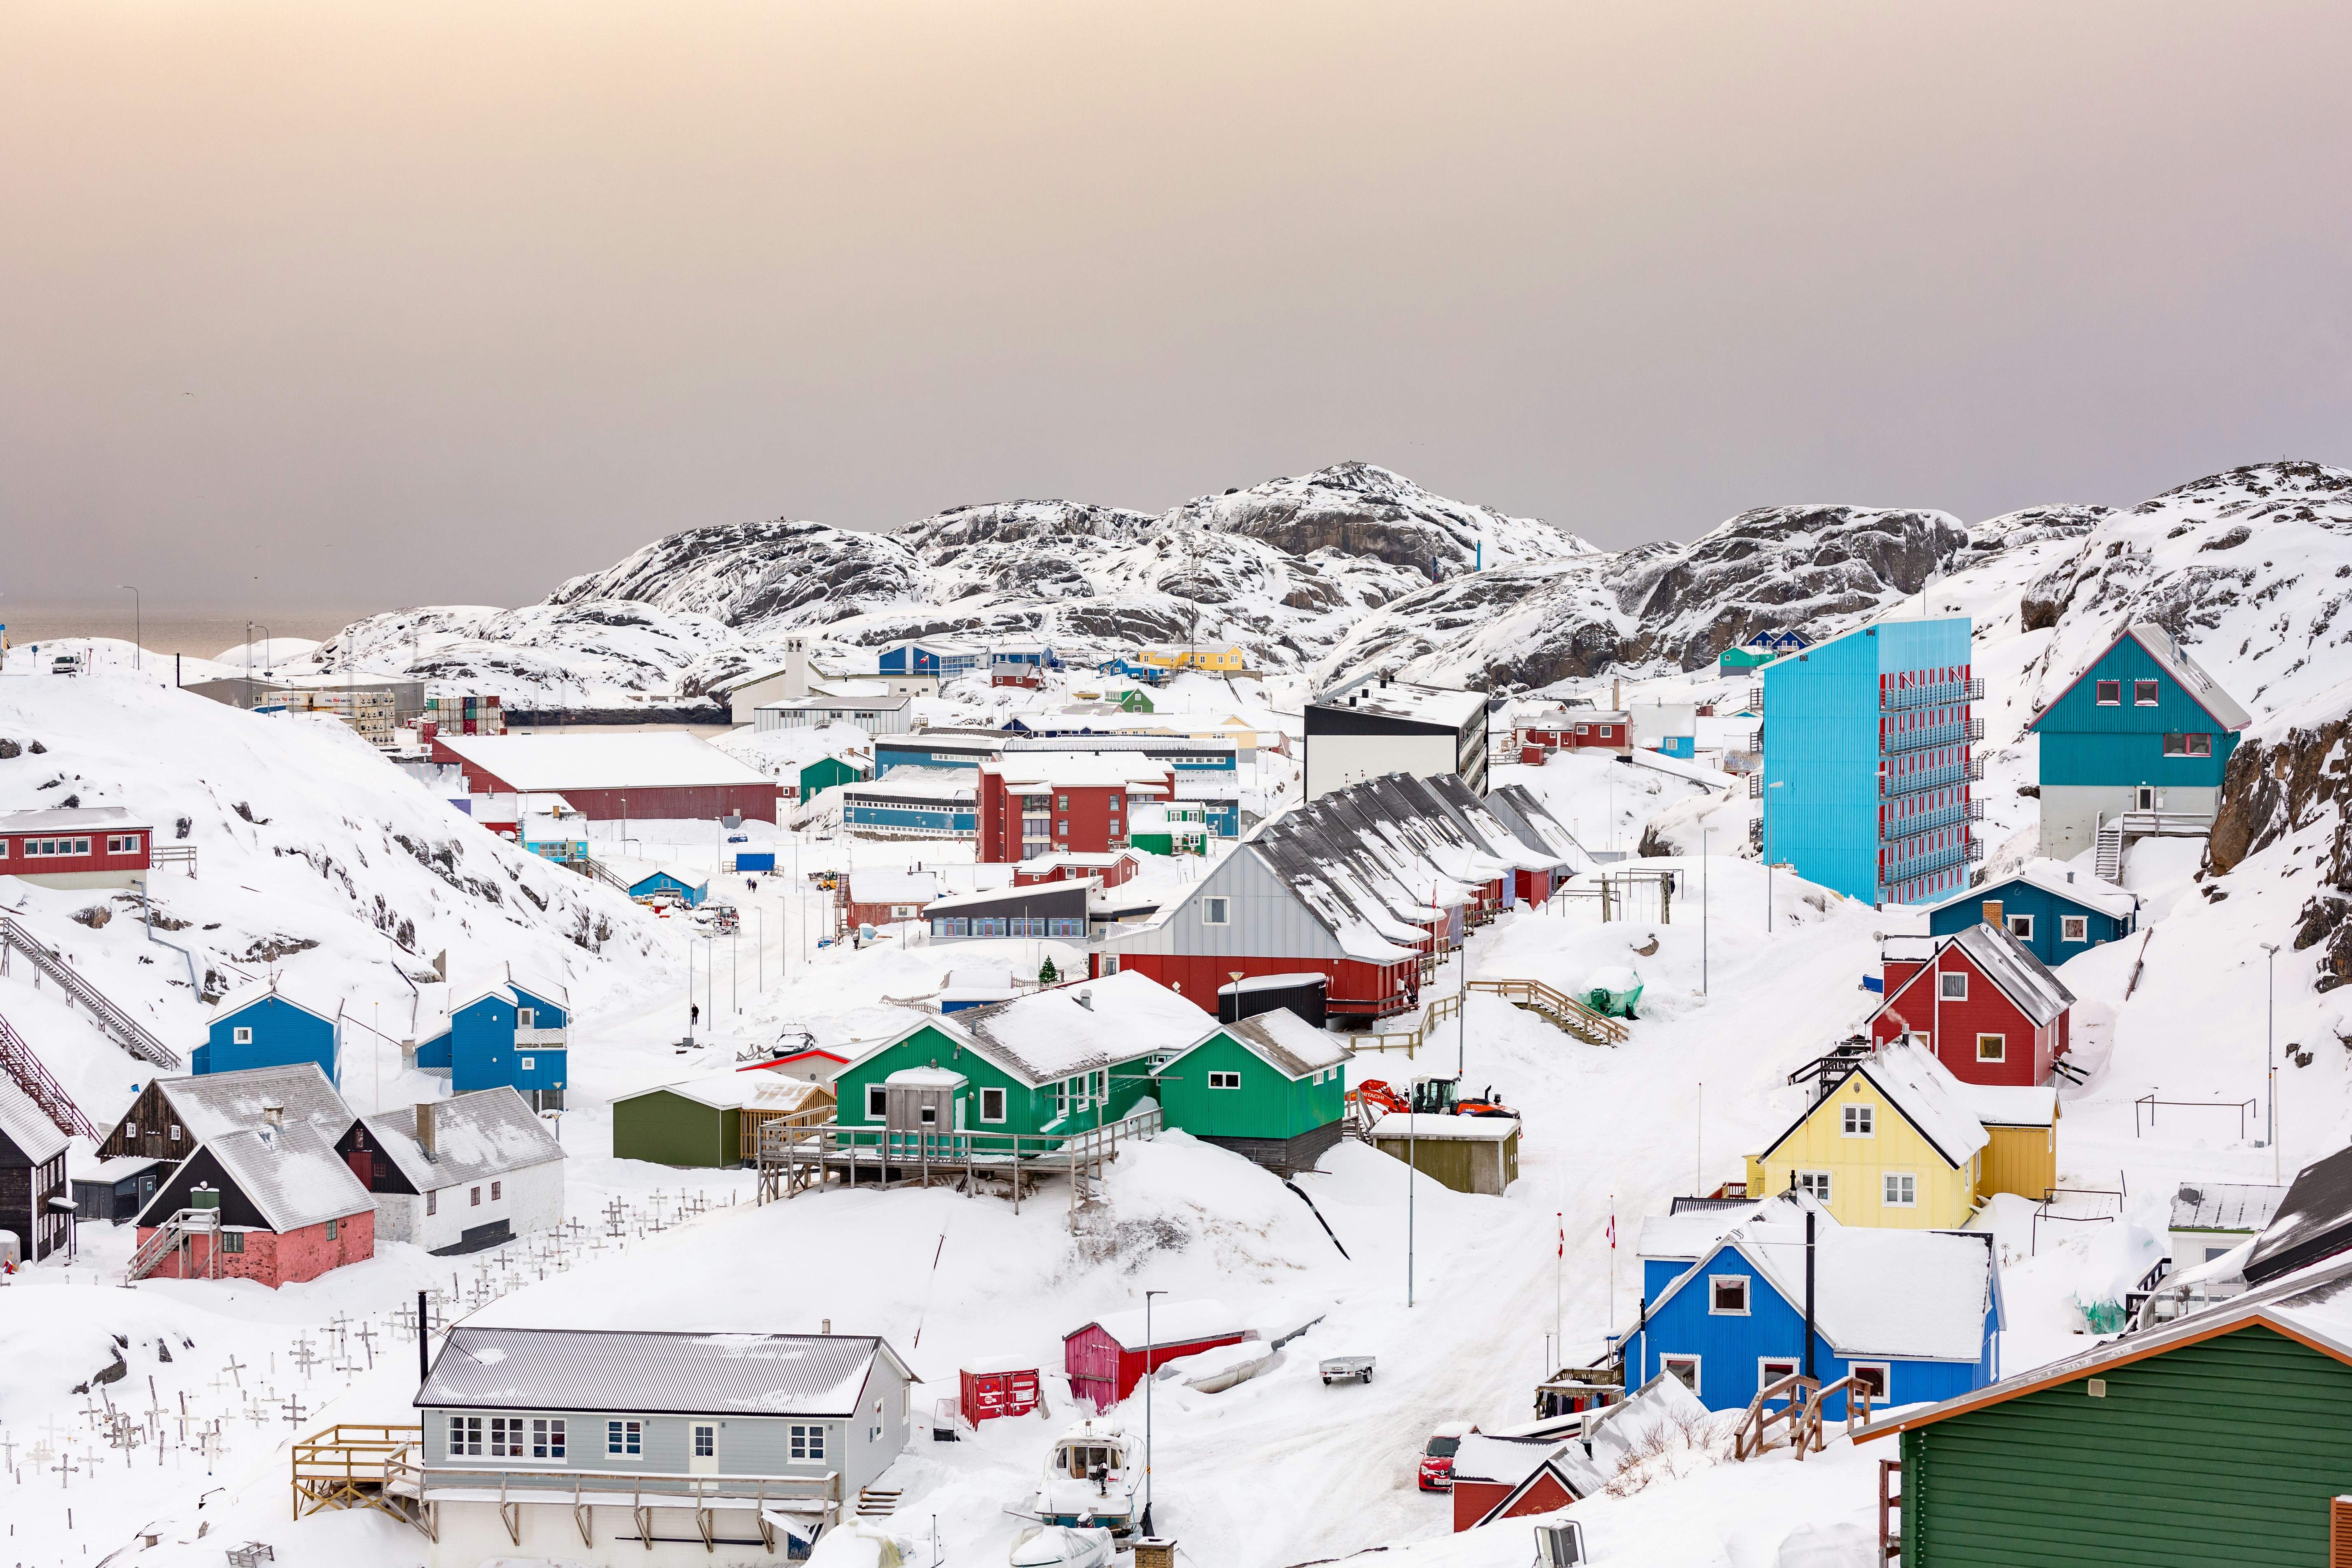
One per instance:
[(1857, 1166), (2022, 1160)]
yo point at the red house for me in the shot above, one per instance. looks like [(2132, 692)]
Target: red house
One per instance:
[(1115, 867), (1574, 730), (76, 846), (1110, 1355), (1037, 803), (1980, 1001), (998, 1386), (633, 774), (288, 1209), (1504, 1478)]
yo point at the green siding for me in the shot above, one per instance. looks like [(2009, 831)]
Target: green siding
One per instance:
[(2223, 1451), (1026, 1111), (671, 1130), (825, 772), (2085, 743), (1269, 1103)]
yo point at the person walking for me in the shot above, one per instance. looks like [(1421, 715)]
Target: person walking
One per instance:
[(693, 1014)]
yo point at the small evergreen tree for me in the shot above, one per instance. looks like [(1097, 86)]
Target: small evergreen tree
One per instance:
[(1047, 973)]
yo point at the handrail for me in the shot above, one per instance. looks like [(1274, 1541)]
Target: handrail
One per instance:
[(16, 1058), (1808, 1425), (1756, 1422), (171, 1234), (126, 1031)]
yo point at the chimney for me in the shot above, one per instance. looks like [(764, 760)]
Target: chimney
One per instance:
[(826, 1327), (427, 1138), (796, 680), (273, 1116), (1616, 692), (1992, 912)]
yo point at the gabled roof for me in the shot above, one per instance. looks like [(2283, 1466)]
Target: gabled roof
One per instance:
[(1922, 1092), (1688, 1235), (2056, 879), (2001, 958), (1518, 807), (1051, 1035), (1920, 1295), (2313, 1307), (1282, 1039), (482, 1134), (749, 1089), (2186, 672), (1577, 1476), (211, 1104), (684, 876), (515, 988), (1172, 1323), (24, 1123), (658, 1373), (291, 1174), (2314, 1220), (245, 996)]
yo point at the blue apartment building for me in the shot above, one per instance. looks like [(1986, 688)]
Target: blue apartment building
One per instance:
[(1869, 762)]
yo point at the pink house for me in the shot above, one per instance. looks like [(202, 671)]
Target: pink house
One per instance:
[(273, 1204)]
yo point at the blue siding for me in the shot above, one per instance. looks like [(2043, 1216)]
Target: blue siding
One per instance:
[(436, 1052), (2122, 745), (483, 1052), (661, 880), (2019, 897), (958, 818), (1730, 1346), (1822, 752), (283, 1035)]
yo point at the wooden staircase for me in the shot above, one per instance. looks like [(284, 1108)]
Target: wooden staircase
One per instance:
[(112, 1021), (876, 1502), (1801, 1416), (16, 1058), (2111, 851), (1557, 1007), (179, 1231)]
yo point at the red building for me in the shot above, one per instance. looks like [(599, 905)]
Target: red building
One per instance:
[(633, 774), (1504, 1478), (76, 846), (1114, 868), (273, 1204), (1044, 803), (1110, 1355), (1980, 1001), (1006, 1390), (885, 896), (1574, 730)]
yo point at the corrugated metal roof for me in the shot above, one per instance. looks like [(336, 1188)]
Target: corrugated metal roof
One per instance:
[(2224, 1206), (211, 1104), (483, 1132), (28, 1126), (1290, 1042), (659, 1373), (72, 819), (291, 1174), (2028, 981)]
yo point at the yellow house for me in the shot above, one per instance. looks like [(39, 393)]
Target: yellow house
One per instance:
[(1902, 1142), (1217, 660)]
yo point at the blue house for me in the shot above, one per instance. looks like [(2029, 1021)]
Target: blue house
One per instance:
[(940, 661), (2055, 910), (1020, 657), (512, 1033), (1913, 1312), (1868, 761), (2142, 729), (675, 882), (262, 1026)]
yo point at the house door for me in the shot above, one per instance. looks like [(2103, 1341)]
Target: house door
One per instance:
[(146, 1191), (702, 1455), (2144, 798), (362, 1164)]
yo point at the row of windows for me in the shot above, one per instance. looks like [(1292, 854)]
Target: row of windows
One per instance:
[(2071, 928), (1871, 1375), (543, 1437), (2110, 694), (1897, 1190), (2189, 745), (1008, 925), (877, 1104), (498, 1191), (36, 848)]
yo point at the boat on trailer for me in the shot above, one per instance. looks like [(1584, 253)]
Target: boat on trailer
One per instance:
[(1092, 1472)]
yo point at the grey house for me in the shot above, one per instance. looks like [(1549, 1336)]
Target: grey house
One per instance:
[(601, 1447)]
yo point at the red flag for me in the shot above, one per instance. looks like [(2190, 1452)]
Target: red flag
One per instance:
[(1560, 1224), (1613, 1230)]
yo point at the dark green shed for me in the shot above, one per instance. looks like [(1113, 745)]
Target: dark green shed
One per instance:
[(1271, 1088), (2219, 1439)]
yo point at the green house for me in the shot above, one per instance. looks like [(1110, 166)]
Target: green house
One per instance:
[(1272, 1088), (826, 772), (701, 1121), (1036, 1069), (2217, 1438)]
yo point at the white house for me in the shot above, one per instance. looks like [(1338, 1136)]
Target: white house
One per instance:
[(459, 1174)]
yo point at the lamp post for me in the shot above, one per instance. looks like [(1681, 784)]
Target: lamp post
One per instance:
[(248, 652), (2270, 1048), (1776, 783), (138, 629), (1143, 1518), (1702, 911)]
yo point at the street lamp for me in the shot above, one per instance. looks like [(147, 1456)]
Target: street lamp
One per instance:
[(1776, 783), (1143, 1520), (138, 629), (2270, 1047)]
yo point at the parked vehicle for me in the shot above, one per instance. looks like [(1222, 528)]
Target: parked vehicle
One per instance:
[(1088, 1479), (1428, 1097), (1345, 1369), (66, 664), (1436, 1470)]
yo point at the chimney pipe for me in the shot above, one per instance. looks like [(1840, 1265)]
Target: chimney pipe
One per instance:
[(423, 1343), (273, 1116), (1809, 1291), (828, 1327), (1086, 1000), (427, 1137)]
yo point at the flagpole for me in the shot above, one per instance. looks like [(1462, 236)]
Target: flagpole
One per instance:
[(1612, 1267), (1559, 1275)]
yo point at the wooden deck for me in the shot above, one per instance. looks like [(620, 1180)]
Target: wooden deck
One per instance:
[(795, 1157)]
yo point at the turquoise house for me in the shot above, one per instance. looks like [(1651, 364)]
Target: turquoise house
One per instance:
[(1868, 761), (514, 1034), (261, 1026), (672, 882), (2142, 729)]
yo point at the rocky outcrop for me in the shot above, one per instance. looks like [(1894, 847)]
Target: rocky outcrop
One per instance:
[(2282, 786)]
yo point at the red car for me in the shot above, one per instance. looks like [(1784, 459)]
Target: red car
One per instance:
[(1436, 1469)]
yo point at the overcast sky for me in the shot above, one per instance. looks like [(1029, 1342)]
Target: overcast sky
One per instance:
[(443, 302)]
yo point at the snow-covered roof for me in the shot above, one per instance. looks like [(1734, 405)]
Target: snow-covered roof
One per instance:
[(72, 819), (1995, 951), (291, 1174), (211, 1104), (1504, 1461), (1275, 982), (1012, 897), (2225, 1206), (1518, 808), (2010, 1105), (685, 875), (2314, 1219), (893, 885), (1283, 1040), (2174, 660), (1080, 770), (916, 784), (2054, 876), (24, 1123), (481, 1133), (1923, 1092), (513, 986), (1488, 830), (1459, 1129), (659, 1373), (927, 1077), (631, 760), (1172, 1323), (1406, 699), (819, 702), (246, 995), (1691, 1234), (1053, 1034), (752, 1089), (1877, 1292)]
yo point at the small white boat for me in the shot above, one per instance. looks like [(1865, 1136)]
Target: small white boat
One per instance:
[(1063, 1546), (1091, 1474)]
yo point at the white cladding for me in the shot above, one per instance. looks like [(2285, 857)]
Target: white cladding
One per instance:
[(529, 1199), (1335, 762)]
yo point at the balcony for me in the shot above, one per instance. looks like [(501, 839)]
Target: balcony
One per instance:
[(1895, 832), (543, 1040), (1932, 696), (1954, 734), (1890, 786), (1893, 870)]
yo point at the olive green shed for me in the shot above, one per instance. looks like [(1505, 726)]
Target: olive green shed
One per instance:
[(671, 1129), (2220, 1443)]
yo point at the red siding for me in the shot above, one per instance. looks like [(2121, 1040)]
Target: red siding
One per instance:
[(989, 1394), (273, 1259), (1952, 1026), (1473, 1499), (18, 862), (1357, 990), (1103, 1371), (1088, 817), (693, 803)]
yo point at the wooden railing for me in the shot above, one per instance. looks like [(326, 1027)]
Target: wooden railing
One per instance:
[(584, 1491), (345, 1466), (755, 1121), (1857, 1411), (1753, 1435), (1548, 1001)]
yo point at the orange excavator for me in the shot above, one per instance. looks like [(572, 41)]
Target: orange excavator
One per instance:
[(1428, 1097)]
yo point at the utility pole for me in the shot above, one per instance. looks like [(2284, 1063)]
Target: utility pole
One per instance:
[(2270, 1051), (1702, 911), (1143, 1518)]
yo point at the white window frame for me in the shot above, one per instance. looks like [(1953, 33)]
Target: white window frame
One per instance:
[(523, 1016), (625, 1439), (240, 1034), (1666, 1364), (510, 1436), (1887, 1188), (464, 1437), (1764, 1363), (806, 1444), (1217, 912), (528, 1064), (1945, 989), (985, 1100), (548, 1444), (1816, 1183), (1859, 1122), (2001, 1055), (2073, 928), (703, 1436), (1747, 1308), (2019, 926), (1886, 1371), (878, 1103), (1224, 1080)]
